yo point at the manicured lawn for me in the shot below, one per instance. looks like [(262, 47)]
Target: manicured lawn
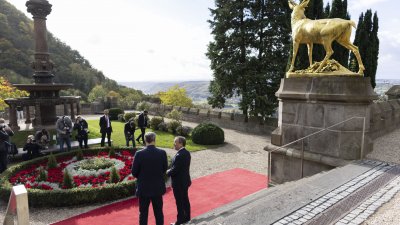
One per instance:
[(163, 140)]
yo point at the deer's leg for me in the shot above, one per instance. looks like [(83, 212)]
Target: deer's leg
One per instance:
[(354, 49), (295, 48), (310, 48), (328, 53)]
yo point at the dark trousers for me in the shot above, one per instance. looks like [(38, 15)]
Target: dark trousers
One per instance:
[(3, 159), (103, 136), (83, 139), (130, 138), (157, 203), (143, 130), (182, 203)]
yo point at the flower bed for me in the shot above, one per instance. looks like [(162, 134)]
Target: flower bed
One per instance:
[(91, 178)]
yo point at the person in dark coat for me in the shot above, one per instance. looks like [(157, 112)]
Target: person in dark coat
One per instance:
[(180, 177), (149, 167), (105, 128), (5, 133), (32, 147), (82, 128), (142, 124), (42, 137), (129, 131)]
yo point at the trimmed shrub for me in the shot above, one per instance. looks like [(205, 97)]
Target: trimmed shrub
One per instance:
[(173, 125), (114, 112), (79, 155), (111, 153), (175, 115), (114, 176), (155, 121), (42, 175), (183, 130), (67, 180), (208, 134), (128, 116), (163, 127), (51, 161)]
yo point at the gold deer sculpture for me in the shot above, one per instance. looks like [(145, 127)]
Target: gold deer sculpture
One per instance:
[(323, 31)]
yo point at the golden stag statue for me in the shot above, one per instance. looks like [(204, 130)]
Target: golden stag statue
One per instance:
[(323, 31)]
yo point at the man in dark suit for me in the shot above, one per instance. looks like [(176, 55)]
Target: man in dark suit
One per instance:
[(180, 176), (129, 131), (105, 128), (142, 124), (149, 167)]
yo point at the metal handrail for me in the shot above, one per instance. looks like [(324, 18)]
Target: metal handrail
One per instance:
[(312, 134)]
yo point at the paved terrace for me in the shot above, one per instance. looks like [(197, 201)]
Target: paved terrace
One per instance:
[(346, 195)]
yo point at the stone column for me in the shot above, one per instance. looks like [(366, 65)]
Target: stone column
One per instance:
[(13, 117), (42, 65), (38, 115), (72, 111), (28, 115), (78, 107), (65, 109)]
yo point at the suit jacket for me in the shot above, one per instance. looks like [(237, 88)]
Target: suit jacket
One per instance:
[(180, 169), (149, 167), (103, 124), (142, 121), (128, 129), (64, 127)]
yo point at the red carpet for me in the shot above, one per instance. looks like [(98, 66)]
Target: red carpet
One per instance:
[(206, 193)]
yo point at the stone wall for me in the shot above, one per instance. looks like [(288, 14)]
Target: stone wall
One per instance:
[(385, 117), (230, 120)]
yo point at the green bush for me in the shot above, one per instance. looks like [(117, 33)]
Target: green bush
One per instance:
[(163, 127), (79, 155), (173, 125), (155, 121), (208, 134), (114, 176), (111, 153), (42, 175), (51, 161), (67, 180), (183, 130), (121, 118), (114, 112), (175, 115), (66, 197), (128, 116)]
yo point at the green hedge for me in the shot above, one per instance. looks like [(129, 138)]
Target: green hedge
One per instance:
[(68, 197), (208, 134), (114, 112)]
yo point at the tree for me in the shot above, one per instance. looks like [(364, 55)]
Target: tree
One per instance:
[(8, 91), (339, 10), (175, 96), (98, 92), (250, 43), (367, 40)]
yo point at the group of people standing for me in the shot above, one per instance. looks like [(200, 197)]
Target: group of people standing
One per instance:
[(129, 129), (64, 127), (150, 166)]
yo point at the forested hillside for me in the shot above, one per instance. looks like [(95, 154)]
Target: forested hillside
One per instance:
[(17, 49)]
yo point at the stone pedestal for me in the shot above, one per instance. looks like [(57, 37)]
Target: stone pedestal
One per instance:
[(308, 105)]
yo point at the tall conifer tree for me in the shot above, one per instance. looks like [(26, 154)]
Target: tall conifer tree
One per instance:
[(339, 10)]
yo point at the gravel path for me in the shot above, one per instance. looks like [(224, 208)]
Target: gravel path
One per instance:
[(239, 151), (387, 148)]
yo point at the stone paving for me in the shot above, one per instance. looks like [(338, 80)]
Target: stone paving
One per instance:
[(333, 208)]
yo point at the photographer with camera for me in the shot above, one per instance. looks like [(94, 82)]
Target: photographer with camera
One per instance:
[(129, 131), (32, 147), (82, 131), (5, 133), (64, 129)]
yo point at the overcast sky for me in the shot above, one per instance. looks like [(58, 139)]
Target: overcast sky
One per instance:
[(160, 40)]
